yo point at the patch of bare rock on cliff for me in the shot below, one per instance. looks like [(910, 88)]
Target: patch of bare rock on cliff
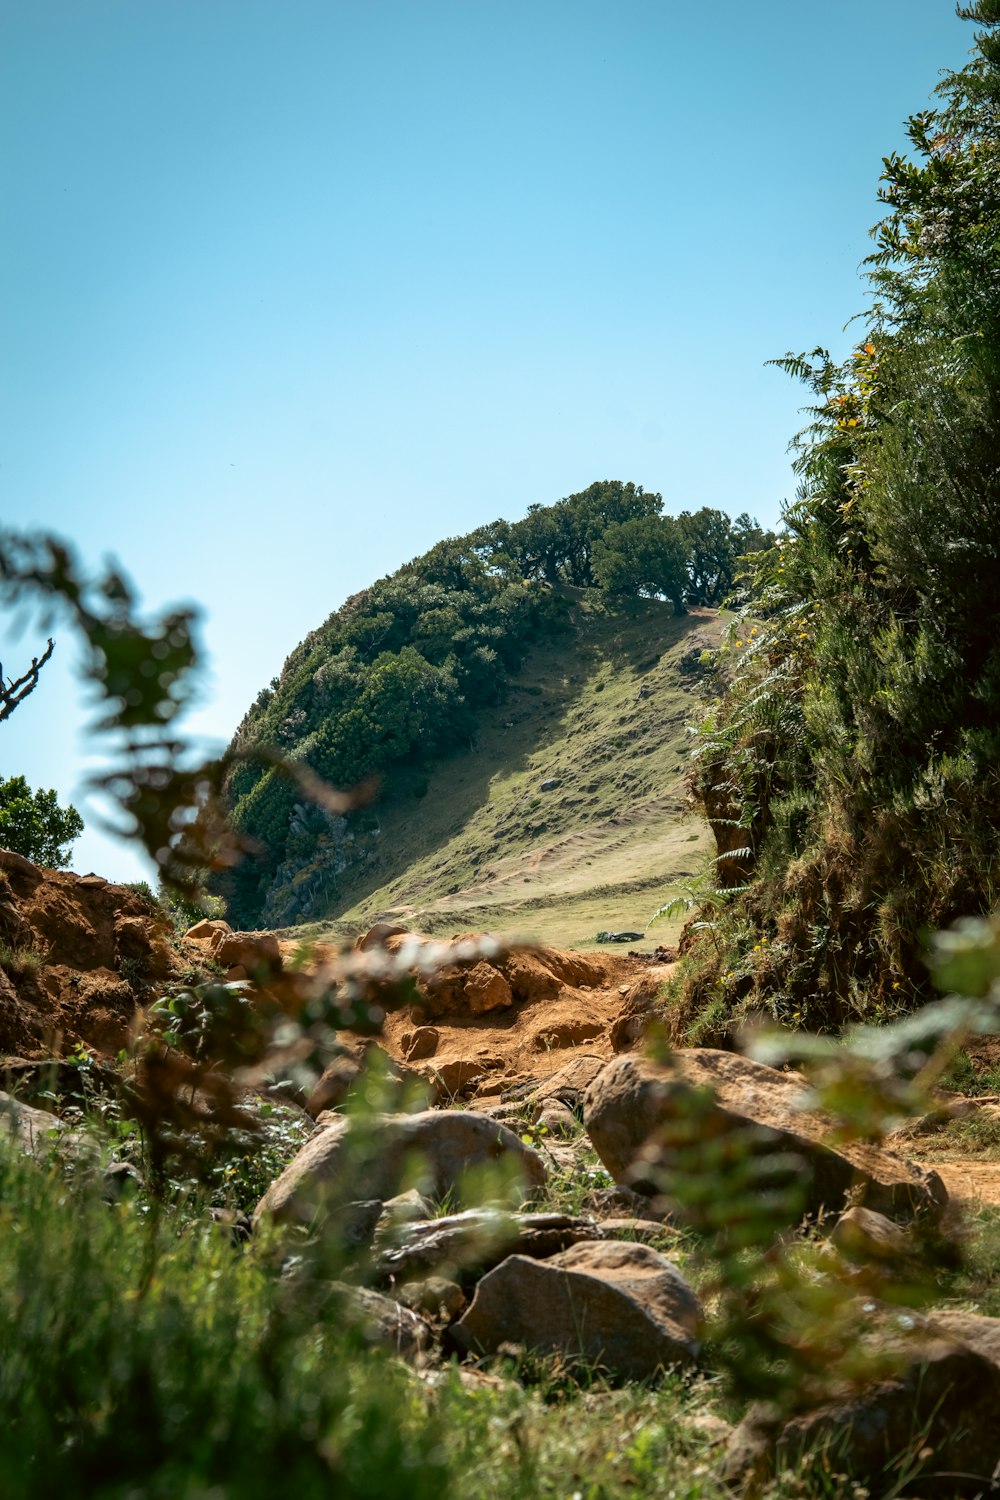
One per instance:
[(78, 953), (482, 1026)]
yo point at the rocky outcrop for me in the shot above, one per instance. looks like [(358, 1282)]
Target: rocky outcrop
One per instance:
[(641, 1117), (82, 953)]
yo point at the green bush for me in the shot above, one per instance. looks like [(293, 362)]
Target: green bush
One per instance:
[(140, 1358)]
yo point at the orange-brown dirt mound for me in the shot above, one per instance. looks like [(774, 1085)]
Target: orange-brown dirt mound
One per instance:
[(75, 950), (79, 955), (483, 1025)]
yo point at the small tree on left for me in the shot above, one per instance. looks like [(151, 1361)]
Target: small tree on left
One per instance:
[(33, 823)]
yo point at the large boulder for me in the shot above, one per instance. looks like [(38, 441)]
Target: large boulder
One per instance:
[(937, 1416), (456, 1154), (616, 1305), (641, 1116)]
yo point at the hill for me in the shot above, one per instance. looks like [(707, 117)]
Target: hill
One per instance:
[(565, 815), (423, 678)]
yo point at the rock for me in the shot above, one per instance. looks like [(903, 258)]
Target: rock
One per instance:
[(452, 1078), (640, 1115), (52, 1082), (435, 1298), (37, 1132), (621, 1307), (549, 784), (445, 1151), (486, 989), (645, 1231), (570, 1082), (471, 1243), (863, 1236), (936, 1417), (254, 952), (405, 1208), (423, 1042), (86, 936), (378, 936), (351, 1069), (383, 1323), (557, 1119), (207, 930)]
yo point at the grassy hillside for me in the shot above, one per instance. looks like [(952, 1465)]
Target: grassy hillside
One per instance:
[(476, 842)]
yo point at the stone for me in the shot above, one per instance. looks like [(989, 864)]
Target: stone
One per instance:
[(486, 989), (435, 1298), (469, 1244), (937, 1417), (405, 1208), (549, 784), (350, 1070), (621, 1307), (254, 952), (645, 1231), (36, 1131), (207, 930), (443, 1152), (421, 1043), (863, 1236), (452, 1077), (639, 1114), (378, 936), (383, 1323)]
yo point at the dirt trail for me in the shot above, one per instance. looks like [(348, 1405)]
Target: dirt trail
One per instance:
[(969, 1180)]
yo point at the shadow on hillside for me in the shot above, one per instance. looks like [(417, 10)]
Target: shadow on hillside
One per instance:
[(425, 808)]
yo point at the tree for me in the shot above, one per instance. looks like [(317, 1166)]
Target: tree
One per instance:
[(16, 689), (716, 545), (644, 556), (33, 823)]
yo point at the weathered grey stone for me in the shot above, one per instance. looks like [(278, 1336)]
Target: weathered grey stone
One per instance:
[(441, 1152), (473, 1242), (557, 1119), (619, 1306), (36, 1131), (639, 1115), (863, 1236), (383, 1323), (435, 1298), (938, 1416)]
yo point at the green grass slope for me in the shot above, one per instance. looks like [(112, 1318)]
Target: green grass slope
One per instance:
[(477, 844)]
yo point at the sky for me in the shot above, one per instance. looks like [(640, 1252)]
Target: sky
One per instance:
[(292, 289)]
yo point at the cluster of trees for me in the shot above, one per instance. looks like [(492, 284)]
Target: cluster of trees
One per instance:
[(853, 772), (615, 537), (399, 672)]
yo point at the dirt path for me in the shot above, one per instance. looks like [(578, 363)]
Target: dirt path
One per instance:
[(968, 1179)]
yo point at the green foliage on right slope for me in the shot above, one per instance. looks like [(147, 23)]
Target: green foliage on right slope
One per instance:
[(853, 775)]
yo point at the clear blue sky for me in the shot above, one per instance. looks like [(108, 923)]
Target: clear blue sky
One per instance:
[(293, 288)]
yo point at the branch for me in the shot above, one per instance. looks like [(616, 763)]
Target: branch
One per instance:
[(17, 689)]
